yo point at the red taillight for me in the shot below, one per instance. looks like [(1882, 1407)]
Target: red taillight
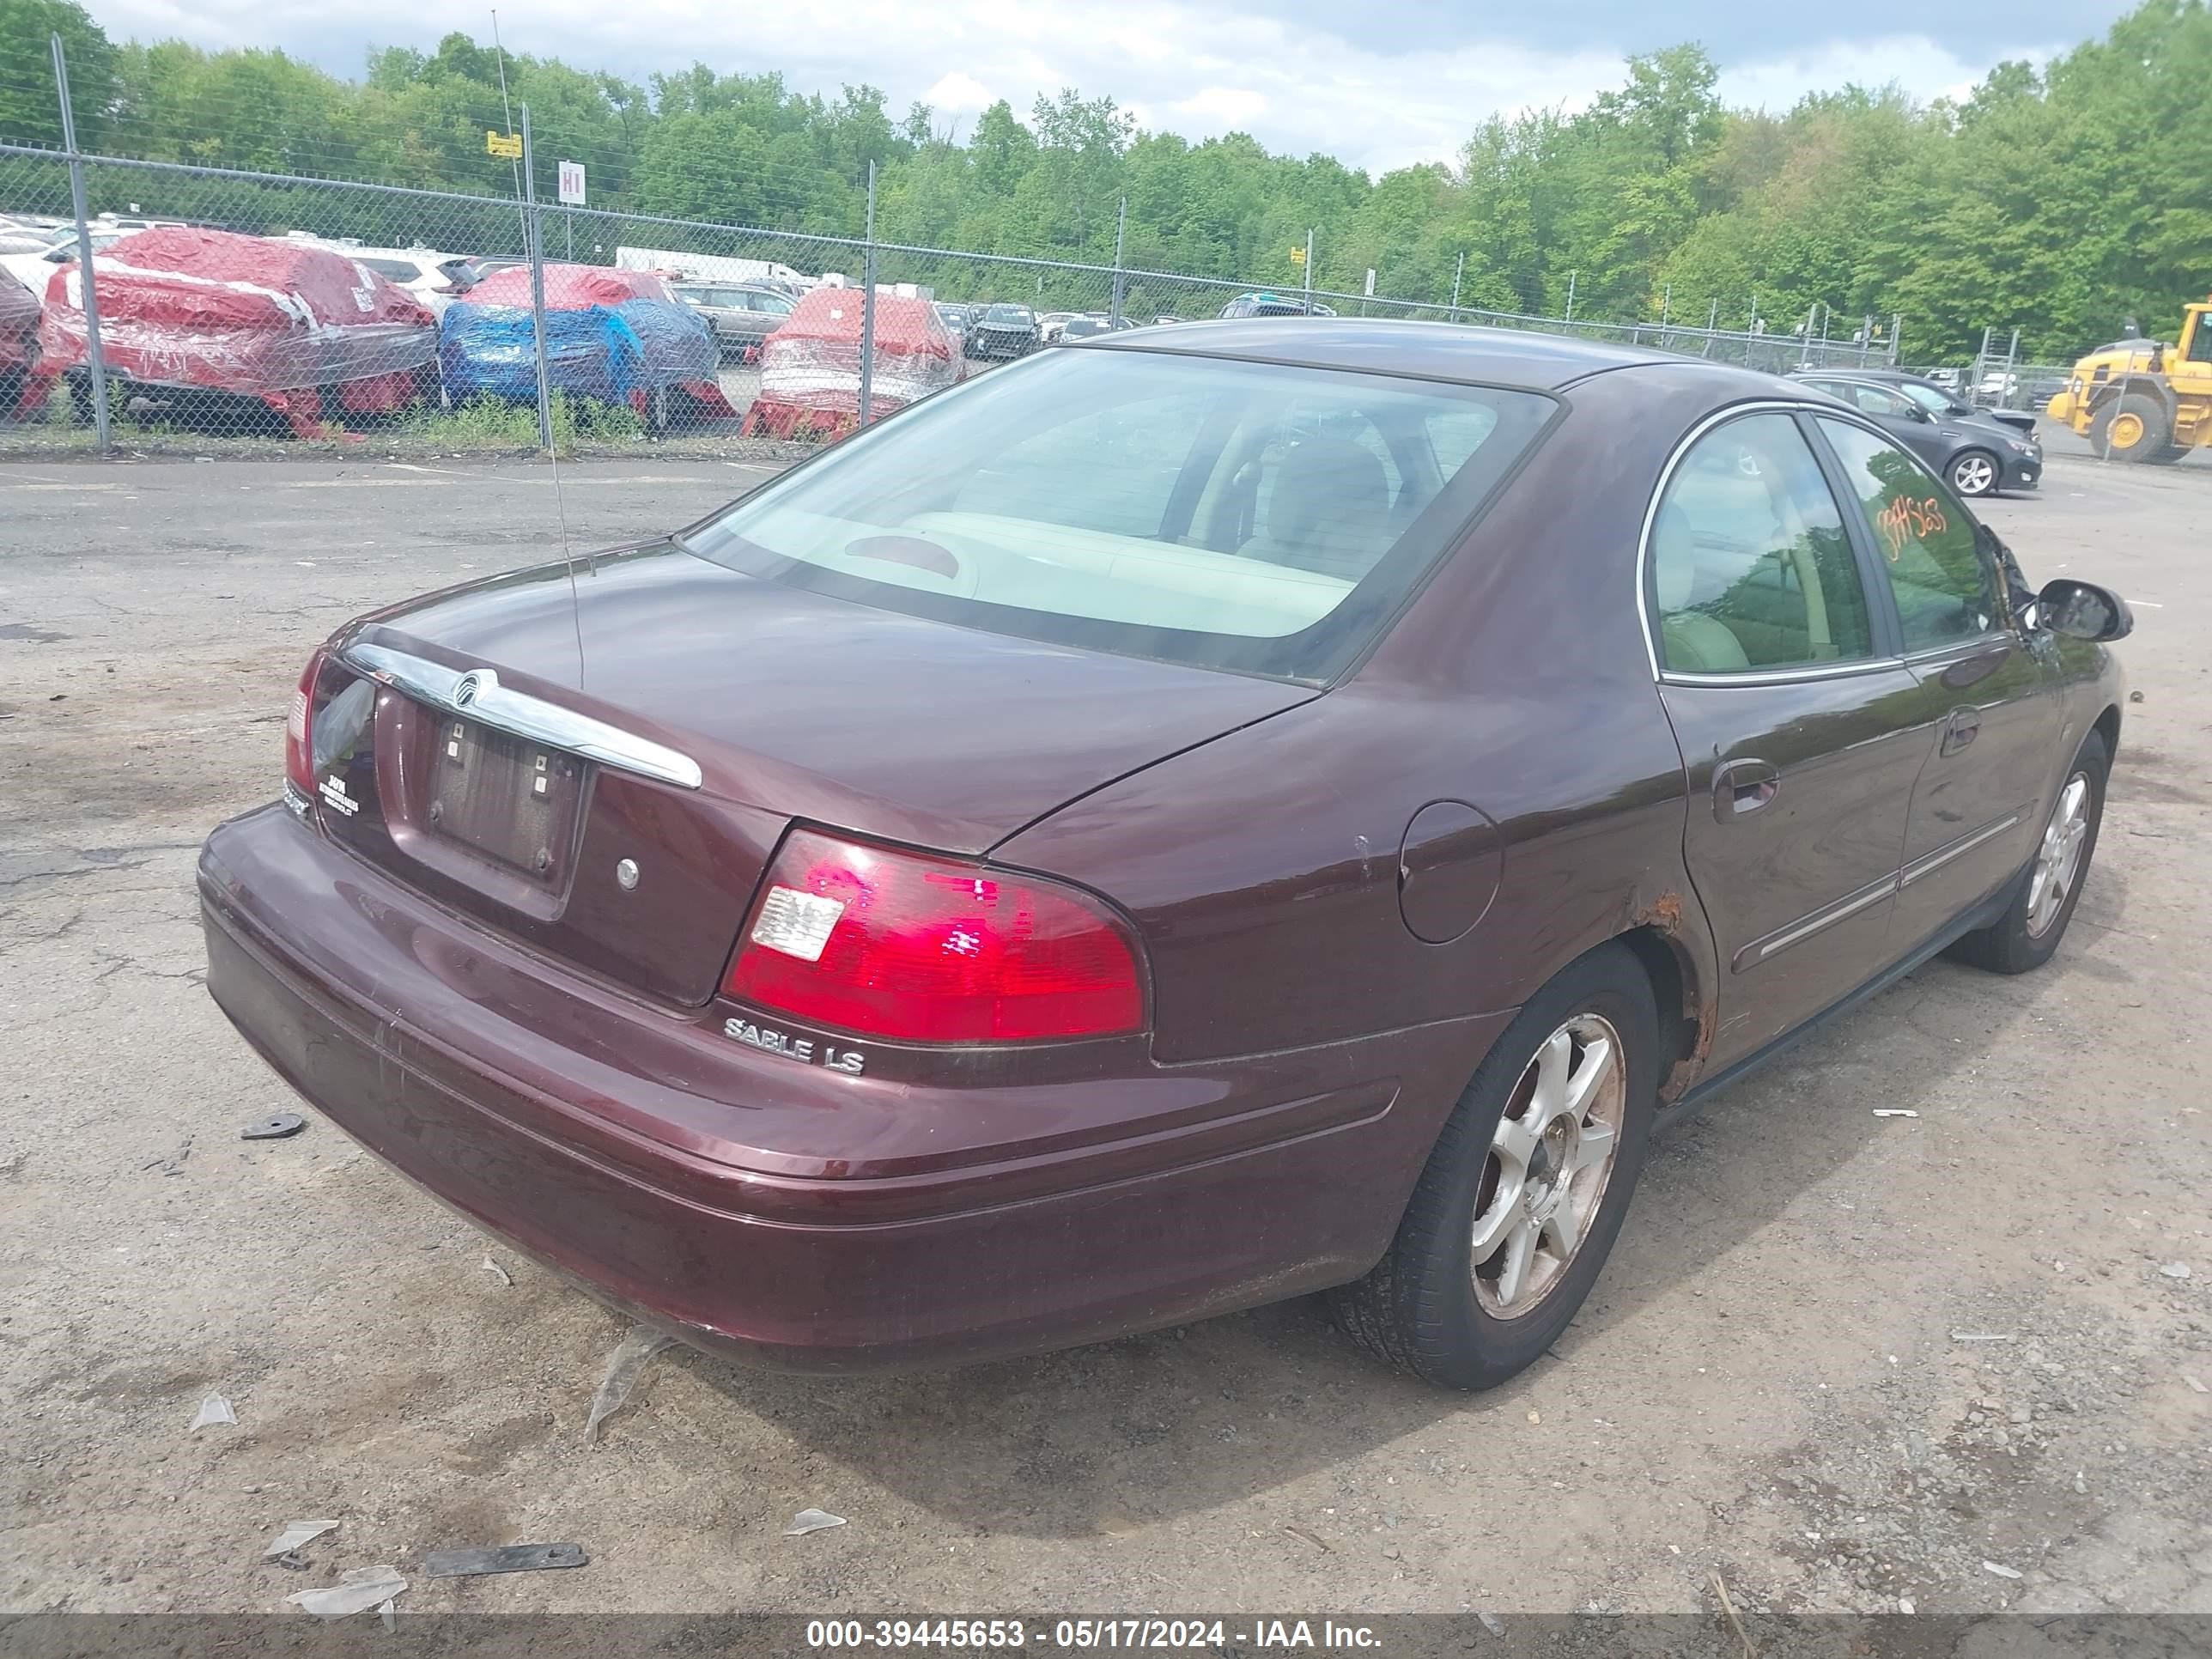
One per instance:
[(920, 949), (299, 738)]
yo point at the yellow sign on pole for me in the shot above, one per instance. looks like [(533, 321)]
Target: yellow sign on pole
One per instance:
[(1298, 256), (507, 146)]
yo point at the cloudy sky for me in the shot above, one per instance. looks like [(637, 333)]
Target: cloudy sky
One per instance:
[(1379, 85)]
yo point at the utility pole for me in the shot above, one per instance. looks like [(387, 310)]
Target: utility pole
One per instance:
[(532, 242), (1458, 271), (1309, 271), (1120, 232), (1569, 317), (868, 311), (1666, 300), (95, 359)]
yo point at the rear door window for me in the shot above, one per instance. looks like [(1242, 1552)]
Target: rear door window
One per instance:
[(1945, 590), (1752, 569)]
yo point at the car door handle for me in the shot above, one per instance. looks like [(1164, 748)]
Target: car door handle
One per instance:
[(1743, 786), (1958, 730)]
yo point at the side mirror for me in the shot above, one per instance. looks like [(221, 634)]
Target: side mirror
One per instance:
[(2083, 611), (1961, 409)]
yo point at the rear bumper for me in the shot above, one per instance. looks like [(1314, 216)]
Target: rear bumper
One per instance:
[(392, 1017)]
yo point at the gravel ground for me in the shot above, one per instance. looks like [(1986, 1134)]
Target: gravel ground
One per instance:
[(1840, 1358)]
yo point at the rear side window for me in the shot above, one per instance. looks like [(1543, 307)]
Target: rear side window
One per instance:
[(1752, 569), (395, 270), (1946, 591), (1254, 517), (1875, 401)]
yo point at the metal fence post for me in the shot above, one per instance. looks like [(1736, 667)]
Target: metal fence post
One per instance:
[(1896, 333), (95, 361), (1712, 326), (1569, 317), (1458, 271), (534, 246), (868, 310), (1121, 230), (1309, 271)]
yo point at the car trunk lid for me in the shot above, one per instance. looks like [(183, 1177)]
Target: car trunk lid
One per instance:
[(605, 779)]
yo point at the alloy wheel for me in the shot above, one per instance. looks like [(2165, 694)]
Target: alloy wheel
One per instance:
[(2058, 860), (1549, 1165), (1974, 476)]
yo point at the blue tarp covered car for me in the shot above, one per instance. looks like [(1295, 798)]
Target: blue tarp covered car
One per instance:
[(614, 337)]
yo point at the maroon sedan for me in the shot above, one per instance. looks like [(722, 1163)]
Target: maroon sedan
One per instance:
[(1195, 818)]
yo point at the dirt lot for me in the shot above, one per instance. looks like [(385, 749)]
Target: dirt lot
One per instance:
[(1773, 1378)]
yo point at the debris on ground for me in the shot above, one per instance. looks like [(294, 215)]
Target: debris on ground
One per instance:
[(2195, 1387), (384, 1612), (2002, 1570), (1736, 1623), (293, 1561), (277, 1126), (2174, 1269), (358, 1589), (1491, 1622), (631, 1356), (1895, 1111), (214, 1409), (502, 1558), (1981, 1336), (808, 1521), (497, 1272), (1314, 1539), (296, 1534)]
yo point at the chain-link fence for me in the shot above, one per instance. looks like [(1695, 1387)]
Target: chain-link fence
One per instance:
[(2000, 378), (273, 311)]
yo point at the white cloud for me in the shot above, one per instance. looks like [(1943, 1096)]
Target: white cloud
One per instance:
[(1221, 106), (1195, 67), (957, 94), (1918, 64)]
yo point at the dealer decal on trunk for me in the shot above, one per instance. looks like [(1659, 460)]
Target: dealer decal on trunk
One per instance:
[(851, 1061)]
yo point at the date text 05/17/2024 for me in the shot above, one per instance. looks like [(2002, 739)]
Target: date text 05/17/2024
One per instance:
[(1199, 1635)]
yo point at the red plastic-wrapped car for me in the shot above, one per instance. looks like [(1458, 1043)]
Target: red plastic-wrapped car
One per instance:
[(810, 381), (19, 345), (187, 315)]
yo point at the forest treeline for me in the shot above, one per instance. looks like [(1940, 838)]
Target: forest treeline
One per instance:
[(2063, 200)]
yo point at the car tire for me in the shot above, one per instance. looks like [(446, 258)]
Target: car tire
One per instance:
[(1431, 1307), (2135, 427), (2027, 935), (1975, 472)]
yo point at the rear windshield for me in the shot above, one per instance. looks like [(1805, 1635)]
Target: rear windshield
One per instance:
[(1254, 517), (1007, 314)]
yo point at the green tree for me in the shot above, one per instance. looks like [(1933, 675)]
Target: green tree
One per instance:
[(30, 112)]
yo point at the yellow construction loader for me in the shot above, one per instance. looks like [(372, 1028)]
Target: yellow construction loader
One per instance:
[(2139, 400)]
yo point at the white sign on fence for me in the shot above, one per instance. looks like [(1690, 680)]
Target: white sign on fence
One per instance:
[(572, 183), (1370, 284)]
